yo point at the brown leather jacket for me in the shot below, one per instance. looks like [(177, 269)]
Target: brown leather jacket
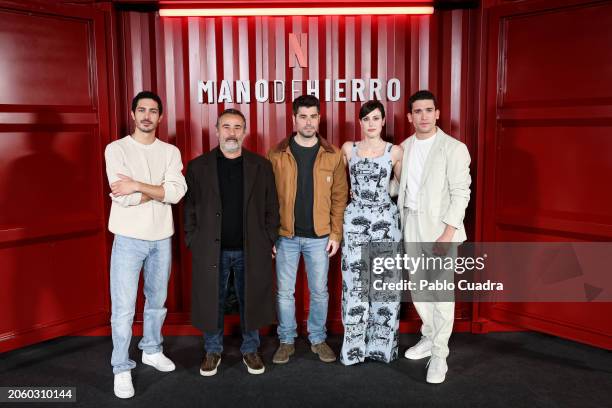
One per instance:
[(330, 188)]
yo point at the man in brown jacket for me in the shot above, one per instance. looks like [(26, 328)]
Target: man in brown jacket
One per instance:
[(312, 191)]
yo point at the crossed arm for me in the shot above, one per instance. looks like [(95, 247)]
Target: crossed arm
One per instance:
[(126, 191), (126, 186)]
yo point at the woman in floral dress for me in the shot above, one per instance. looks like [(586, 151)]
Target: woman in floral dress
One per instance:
[(370, 323)]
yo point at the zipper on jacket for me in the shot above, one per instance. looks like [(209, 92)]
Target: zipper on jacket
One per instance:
[(314, 183), (294, 163)]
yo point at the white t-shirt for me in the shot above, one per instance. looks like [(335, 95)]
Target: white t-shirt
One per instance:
[(416, 164), (158, 163)]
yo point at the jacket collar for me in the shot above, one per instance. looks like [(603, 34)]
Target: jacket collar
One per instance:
[(284, 144)]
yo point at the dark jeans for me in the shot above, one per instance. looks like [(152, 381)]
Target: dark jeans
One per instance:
[(213, 340)]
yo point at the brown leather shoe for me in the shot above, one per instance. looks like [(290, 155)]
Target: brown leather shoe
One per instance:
[(210, 364), (253, 363), (325, 353), (282, 354)]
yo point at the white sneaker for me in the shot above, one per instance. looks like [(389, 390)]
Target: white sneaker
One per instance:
[(159, 361), (123, 385), (436, 371), (420, 350)]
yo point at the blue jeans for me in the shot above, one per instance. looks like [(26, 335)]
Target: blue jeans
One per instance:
[(213, 340), (288, 252), (127, 259)]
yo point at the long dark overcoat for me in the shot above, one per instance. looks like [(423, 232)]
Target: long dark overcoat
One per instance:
[(203, 217)]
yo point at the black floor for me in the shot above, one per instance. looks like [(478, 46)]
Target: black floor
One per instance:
[(494, 370)]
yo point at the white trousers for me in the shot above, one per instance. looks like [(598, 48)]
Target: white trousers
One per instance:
[(437, 317)]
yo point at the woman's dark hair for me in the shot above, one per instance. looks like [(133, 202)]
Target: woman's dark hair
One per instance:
[(370, 106)]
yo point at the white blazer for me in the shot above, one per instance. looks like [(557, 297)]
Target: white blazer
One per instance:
[(445, 187)]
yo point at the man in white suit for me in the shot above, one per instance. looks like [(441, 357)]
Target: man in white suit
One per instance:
[(433, 195)]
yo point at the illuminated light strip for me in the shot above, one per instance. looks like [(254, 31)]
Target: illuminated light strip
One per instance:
[(294, 11)]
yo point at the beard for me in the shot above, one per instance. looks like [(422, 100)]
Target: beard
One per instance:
[(311, 133), (231, 145)]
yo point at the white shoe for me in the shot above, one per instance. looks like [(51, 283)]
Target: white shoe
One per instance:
[(159, 361), (436, 371), (420, 350), (123, 385)]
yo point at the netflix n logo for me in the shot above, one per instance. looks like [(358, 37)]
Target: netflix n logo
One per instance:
[(298, 50)]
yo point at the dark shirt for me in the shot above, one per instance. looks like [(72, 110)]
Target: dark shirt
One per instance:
[(304, 197), (231, 186)]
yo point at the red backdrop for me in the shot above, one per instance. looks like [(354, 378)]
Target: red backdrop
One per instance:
[(169, 55), (511, 79), (545, 146), (54, 124)]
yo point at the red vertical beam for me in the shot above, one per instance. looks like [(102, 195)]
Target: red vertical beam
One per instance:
[(358, 73), (365, 60), (126, 52), (280, 71), (242, 73), (265, 139), (390, 60), (331, 72), (443, 74), (255, 120), (266, 44), (172, 89), (397, 110), (293, 25), (456, 75), (382, 48), (315, 49), (219, 58), (324, 69), (212, 73), (229, 60), (165, 79), (424, 64), (195, 61), (350, 45), (393, 43)]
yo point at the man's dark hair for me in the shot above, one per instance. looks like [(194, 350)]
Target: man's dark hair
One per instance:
[(370, 106), (231, 111), (421, 95), (147, 95), (306, 101)]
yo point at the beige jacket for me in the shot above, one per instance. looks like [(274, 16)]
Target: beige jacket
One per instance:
[(330, 188), (445, 187)]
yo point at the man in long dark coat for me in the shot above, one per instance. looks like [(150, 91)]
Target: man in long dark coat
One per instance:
[(231, 224)]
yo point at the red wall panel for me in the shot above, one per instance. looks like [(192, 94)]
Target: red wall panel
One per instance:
[(53, 126), (50, 281), (33, 48), (544, 147), (561, 183), (40, 166), (557, 57), (169, 56)]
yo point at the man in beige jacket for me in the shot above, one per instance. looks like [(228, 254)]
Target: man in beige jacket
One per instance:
[(433, 195)]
